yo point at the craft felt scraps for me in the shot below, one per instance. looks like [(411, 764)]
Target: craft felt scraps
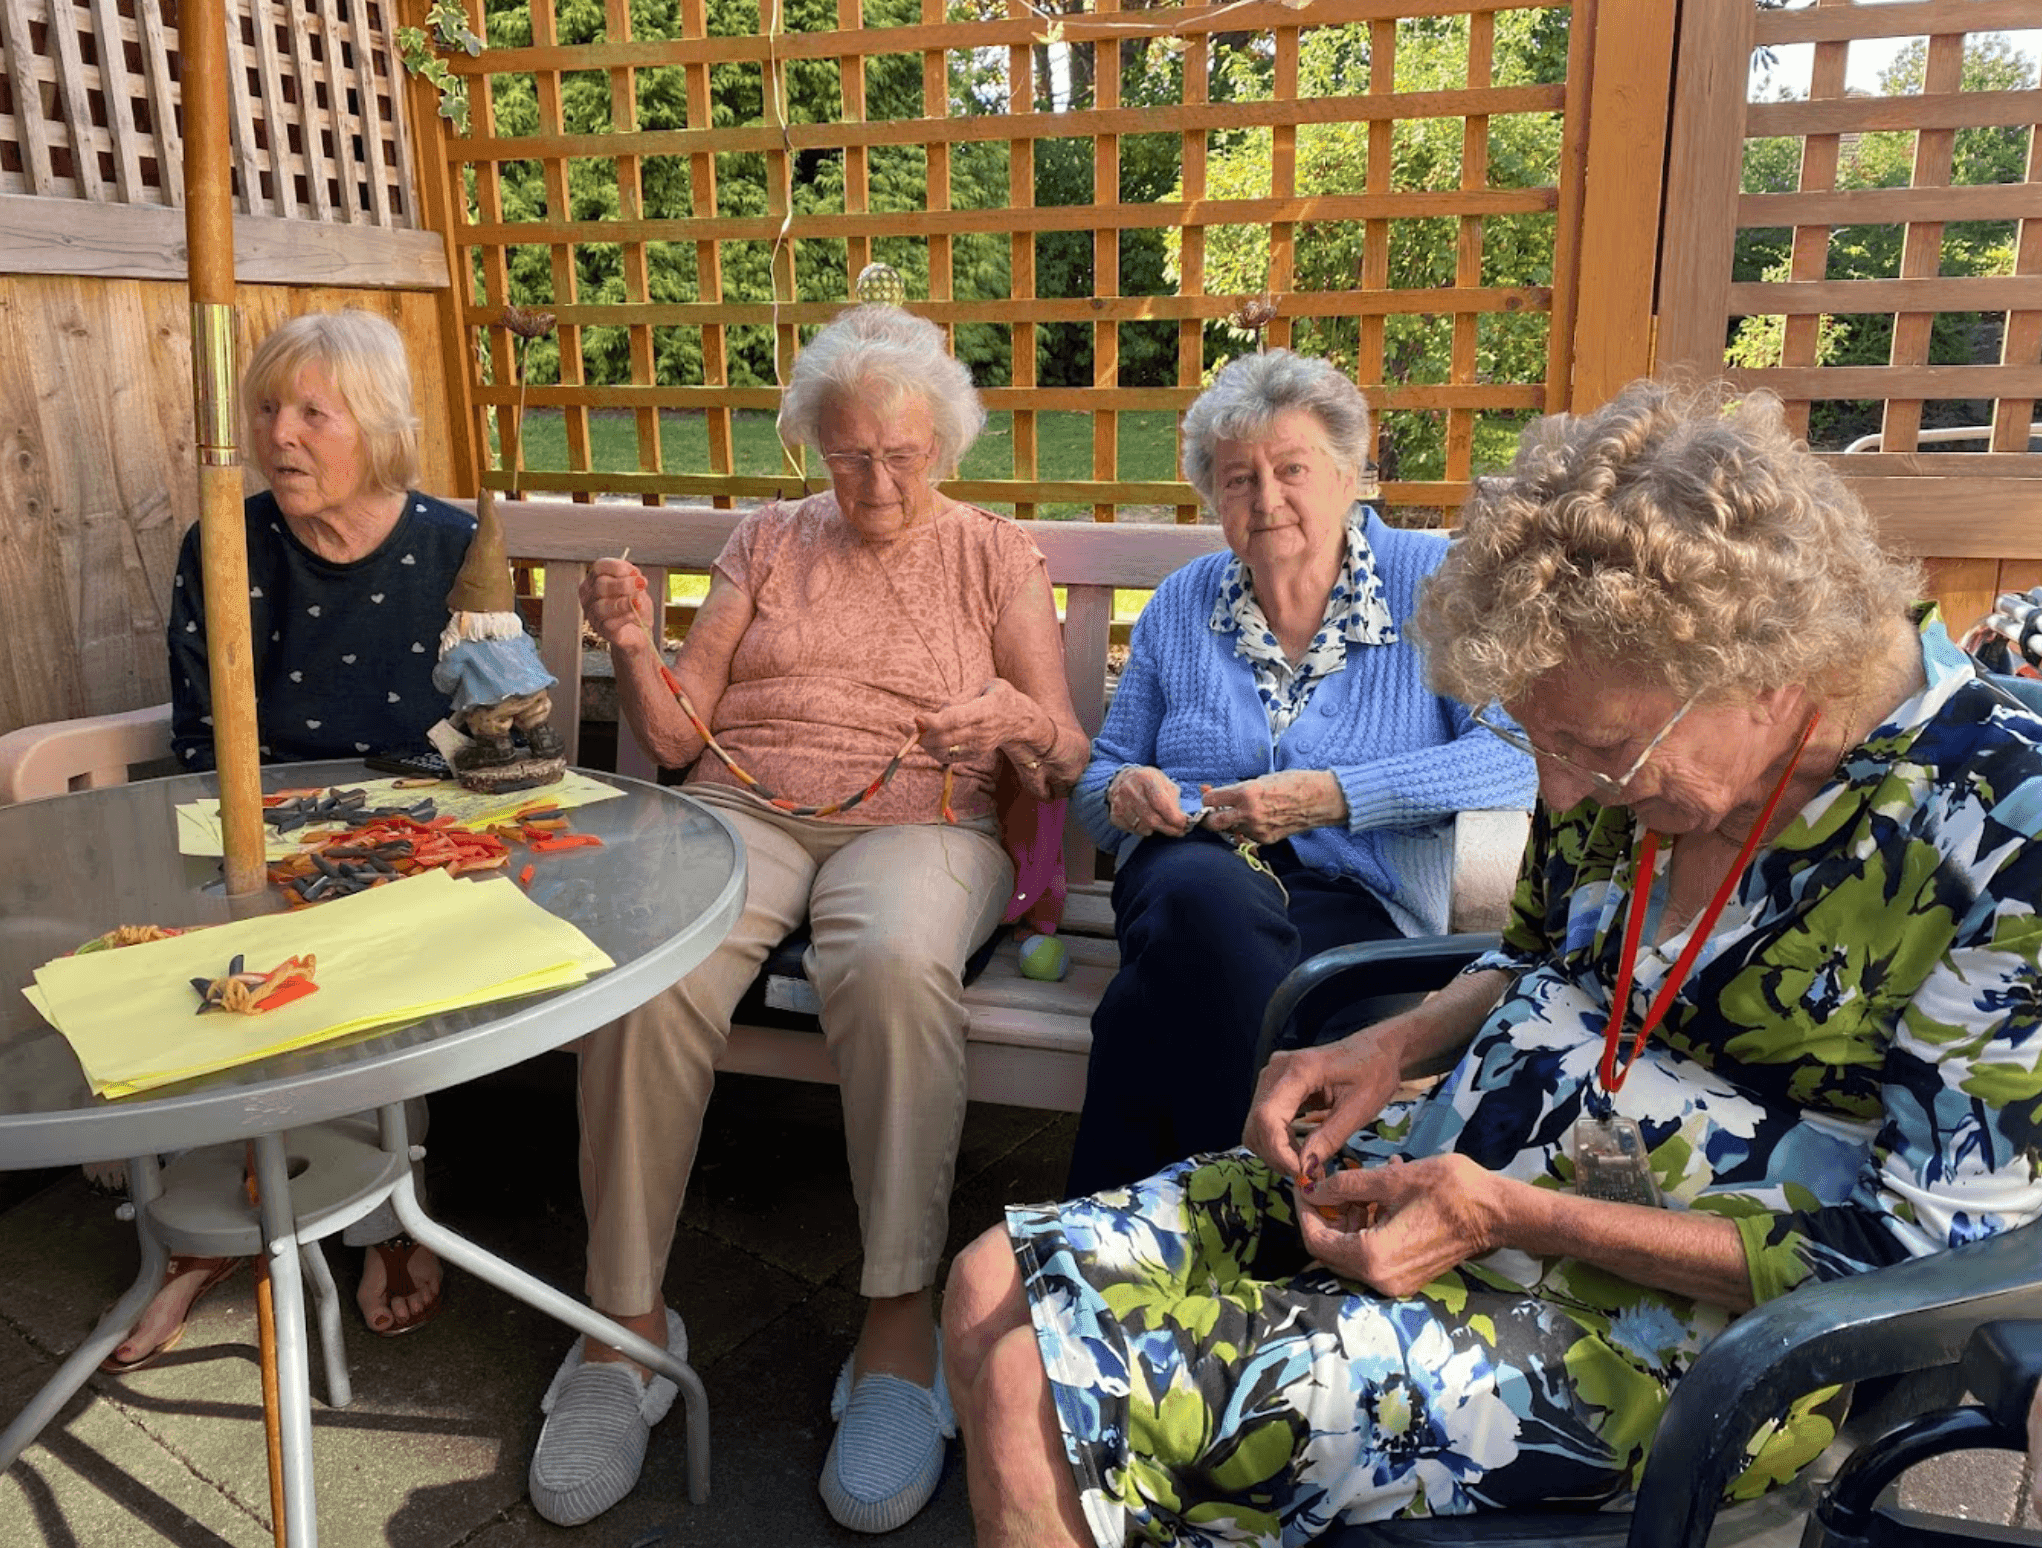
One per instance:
[(407, 950)]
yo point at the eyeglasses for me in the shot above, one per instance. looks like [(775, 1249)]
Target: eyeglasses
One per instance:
[(1603, 783), (900, 463)]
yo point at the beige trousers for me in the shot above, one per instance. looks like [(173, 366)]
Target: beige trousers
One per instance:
[(894, 911)]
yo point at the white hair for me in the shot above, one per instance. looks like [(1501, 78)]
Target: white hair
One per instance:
[(882, 347)]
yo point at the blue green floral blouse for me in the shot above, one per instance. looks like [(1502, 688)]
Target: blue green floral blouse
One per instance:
[(1852, 1074)]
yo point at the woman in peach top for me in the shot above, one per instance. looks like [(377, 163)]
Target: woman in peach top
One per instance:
[(835, 629)]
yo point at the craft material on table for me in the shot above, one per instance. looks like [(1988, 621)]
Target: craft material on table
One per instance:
[(414, 948), (198, 822)]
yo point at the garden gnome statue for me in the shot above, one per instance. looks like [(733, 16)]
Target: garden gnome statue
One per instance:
[(491, 669)]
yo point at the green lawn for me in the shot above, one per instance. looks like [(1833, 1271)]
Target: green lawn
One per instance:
[(1148, 446)]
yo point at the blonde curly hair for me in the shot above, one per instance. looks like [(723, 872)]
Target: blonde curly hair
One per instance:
[(1679, 529)]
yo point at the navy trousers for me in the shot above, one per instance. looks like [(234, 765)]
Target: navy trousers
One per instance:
[(1204, 941)]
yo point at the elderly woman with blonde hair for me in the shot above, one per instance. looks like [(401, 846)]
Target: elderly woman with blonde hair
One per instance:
[(876, 629), (348, 571), (1766, 1012)]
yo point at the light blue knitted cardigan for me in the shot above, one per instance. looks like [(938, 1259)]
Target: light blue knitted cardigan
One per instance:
[(1407, 758)]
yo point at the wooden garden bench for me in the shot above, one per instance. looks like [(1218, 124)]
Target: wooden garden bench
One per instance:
[(1028, 1039)]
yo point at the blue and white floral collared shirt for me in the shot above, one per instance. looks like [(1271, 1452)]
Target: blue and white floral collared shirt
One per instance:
[(1356, 614)]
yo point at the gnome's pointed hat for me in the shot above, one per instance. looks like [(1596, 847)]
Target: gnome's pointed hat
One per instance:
[(484, 583)]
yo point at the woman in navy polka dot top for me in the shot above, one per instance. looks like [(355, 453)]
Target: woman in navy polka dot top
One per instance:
[(348, 574)]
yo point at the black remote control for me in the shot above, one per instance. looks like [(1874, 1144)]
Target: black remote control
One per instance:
[(425, 765)]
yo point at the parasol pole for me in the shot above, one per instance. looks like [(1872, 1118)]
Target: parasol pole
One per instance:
[(209, 245), (266, 1350)]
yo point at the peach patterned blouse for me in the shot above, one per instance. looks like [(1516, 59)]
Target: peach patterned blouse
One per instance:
[(849, 640)]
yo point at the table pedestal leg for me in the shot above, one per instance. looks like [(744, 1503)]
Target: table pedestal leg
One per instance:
[(294, 1381), (339, 1389), (536, 1293), (113, 1327)]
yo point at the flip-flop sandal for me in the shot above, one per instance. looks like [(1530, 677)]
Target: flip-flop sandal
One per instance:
[(222, 1269), (397, 1281)]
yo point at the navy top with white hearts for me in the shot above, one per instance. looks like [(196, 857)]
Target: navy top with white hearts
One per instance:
[(344, 653)]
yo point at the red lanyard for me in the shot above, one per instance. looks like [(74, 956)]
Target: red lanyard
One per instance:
[(1612, 1073)]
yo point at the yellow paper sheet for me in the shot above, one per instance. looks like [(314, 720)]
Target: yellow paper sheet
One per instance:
[(412, 948), (198, 822)]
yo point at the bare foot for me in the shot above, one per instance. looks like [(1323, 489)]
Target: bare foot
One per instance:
[(650, 1326), (163, 1318), (380, 1310), (899, 1338)]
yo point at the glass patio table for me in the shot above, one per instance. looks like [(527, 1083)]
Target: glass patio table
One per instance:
[(658, 897)]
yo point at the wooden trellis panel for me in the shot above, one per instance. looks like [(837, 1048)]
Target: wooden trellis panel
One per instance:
[(89, 103), (818, 250), (1972, 507)]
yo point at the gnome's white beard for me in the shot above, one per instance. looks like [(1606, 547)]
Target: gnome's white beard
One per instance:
[(480, 626)]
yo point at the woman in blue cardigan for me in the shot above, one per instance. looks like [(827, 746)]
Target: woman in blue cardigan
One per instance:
[(1275, 777)]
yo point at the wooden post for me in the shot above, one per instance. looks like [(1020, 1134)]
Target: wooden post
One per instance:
[(1703, 172), (1615, 247), (209, 240)]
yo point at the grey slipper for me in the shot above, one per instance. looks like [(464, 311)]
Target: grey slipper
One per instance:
[(887, 1456), (599, 1415)]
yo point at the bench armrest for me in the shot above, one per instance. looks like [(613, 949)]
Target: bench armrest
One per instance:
[(1488, 851), (1911, 1316)]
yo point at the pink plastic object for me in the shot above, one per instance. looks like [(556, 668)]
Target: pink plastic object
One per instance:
[(1033, 832)]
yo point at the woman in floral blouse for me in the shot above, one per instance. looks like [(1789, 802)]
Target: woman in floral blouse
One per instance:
[(1766, 1012), (1276, 776)]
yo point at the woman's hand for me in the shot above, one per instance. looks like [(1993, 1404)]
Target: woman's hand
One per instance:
[(998, 715), (1342, 1085), (616, 603), (1142, 800), (1274, 806), (1429, 1216)]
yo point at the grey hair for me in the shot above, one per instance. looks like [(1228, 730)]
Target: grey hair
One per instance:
[(882, 347), (1249, 392)]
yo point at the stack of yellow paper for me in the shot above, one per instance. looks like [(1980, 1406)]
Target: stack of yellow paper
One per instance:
[(395, 953)]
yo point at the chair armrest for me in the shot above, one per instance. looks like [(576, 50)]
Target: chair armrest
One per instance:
[(2002, 1367), (1910, 1316), (96, 750), (1410, 966)]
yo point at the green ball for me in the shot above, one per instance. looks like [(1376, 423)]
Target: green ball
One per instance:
[(1044, 957)]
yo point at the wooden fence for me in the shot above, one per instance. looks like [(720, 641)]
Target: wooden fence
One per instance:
[(1899, 175), (97, 473), (1337, 101), (91, 154)]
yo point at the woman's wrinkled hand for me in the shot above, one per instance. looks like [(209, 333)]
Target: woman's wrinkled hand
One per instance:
[(1144, 800), (972, 730), (617, 604), (1274, 806), (1430, 1216), (1345, 1084)]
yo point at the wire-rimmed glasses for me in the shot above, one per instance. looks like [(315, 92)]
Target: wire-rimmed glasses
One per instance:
[(901, 462), (1603, 783)]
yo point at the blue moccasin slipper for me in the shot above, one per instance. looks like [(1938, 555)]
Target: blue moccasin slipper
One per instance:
[(887, 1457), (599, 1415)]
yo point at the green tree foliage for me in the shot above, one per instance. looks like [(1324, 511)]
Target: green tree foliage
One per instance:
[(897, 178), (1432, 55), (1885, 159)]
